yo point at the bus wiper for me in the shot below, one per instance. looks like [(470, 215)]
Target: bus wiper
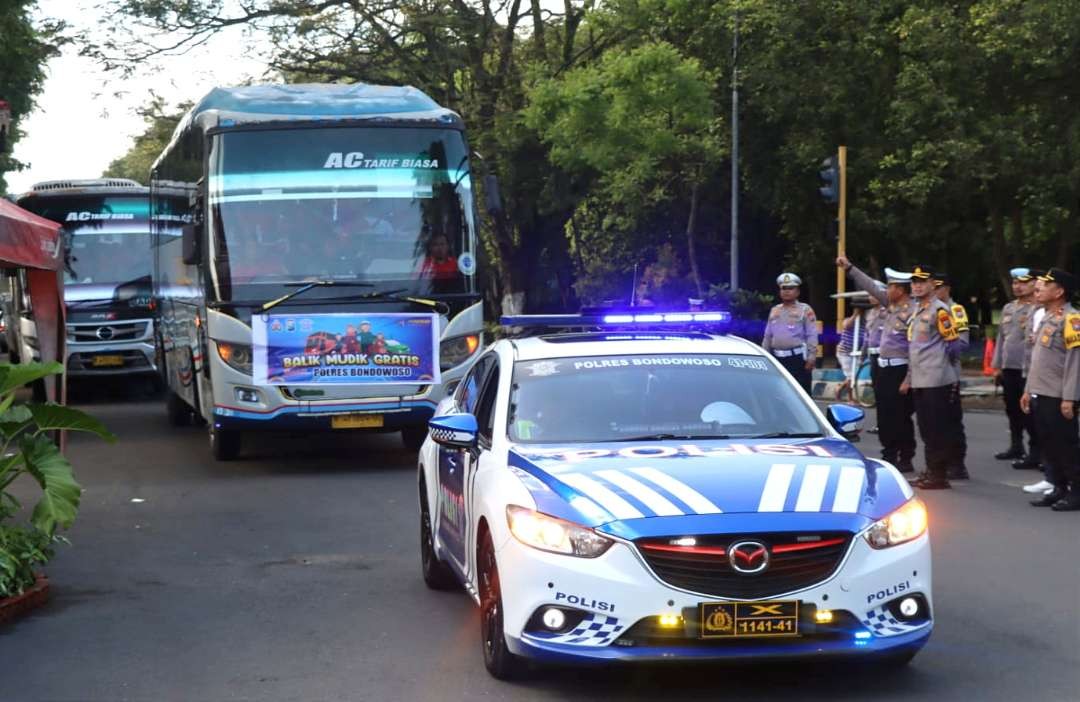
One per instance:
[(396, 296), (304, 287), (784, 435)]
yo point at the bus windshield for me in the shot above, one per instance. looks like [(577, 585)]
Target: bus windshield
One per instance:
[(387, 206)]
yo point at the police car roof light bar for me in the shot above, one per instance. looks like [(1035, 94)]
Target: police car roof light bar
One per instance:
[(644, 320)]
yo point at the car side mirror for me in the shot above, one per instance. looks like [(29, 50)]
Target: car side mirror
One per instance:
[(846, 419), (190, 235), (457, 431)]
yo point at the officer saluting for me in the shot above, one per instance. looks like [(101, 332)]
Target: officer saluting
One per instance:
[(1008, 364), (943, 291), (791, 332), (894, 408), (933, 345), (1053, 389)]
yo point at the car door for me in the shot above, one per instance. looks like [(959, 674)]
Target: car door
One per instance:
[(453, 464), (486, 408)]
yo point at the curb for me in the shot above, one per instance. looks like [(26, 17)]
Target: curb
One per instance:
[(18, 605)]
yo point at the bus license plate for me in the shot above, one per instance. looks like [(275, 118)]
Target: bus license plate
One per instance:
[(356, 421), (107, 361), (749, 619)]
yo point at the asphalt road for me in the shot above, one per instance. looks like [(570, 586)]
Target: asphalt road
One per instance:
[(293, 575)]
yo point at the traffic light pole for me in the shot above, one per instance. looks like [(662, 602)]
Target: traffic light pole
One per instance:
[(841, 241)]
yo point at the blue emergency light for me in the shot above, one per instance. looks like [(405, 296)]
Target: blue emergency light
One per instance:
[(620, 320)]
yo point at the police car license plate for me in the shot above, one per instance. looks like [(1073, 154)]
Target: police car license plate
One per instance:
[(107, 361), (749, 619), (356, 421)]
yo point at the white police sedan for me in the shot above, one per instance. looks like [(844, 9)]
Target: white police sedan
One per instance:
[(663, 493)]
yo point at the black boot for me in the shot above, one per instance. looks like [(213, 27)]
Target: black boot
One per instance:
[(1049, 500), (1015, 452), (905, 466), (1071, 501), (928, 481), (1026, 463), (958, 473)]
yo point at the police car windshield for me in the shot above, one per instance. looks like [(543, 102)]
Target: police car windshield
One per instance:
[(630, 398)]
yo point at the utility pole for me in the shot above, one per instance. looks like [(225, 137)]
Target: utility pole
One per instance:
[(735, 157), (834, 191)]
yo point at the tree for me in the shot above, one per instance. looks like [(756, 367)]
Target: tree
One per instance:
[(24, 51), (160, 124)]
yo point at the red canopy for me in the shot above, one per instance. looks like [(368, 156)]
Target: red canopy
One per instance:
[(32, 242)]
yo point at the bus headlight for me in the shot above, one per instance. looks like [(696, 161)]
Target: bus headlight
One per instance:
[(457, 350), (547, 533), (907, 523), (237, 356)]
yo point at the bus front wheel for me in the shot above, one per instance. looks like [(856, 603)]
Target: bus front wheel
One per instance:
[(413, 436), (224, 443)]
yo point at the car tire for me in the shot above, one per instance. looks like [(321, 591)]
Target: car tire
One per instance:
[(413, 436), (224, 443), (178, 411), (499, 661), (437, 575)]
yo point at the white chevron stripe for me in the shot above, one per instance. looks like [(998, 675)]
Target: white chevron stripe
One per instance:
[(849, 490), (812, 490), (775, 493), (619, 508), (651, 498), (694, 499)]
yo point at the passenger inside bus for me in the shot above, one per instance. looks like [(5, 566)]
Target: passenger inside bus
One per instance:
[(439, 264)]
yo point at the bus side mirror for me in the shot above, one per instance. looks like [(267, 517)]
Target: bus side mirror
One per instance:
[(492, 195), (190, 242)]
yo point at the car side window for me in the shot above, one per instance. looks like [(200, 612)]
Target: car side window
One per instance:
[(485, 409), (471, 386)]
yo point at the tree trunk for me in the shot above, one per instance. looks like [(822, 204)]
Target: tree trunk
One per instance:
[(691, 248), (998, 245)]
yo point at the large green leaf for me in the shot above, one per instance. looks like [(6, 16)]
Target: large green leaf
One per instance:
[(60, 501), (50, 417), (18, 375)]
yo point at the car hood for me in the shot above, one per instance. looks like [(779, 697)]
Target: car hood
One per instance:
[(636, 489)]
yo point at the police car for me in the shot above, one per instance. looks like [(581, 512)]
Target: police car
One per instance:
[(606, 491)]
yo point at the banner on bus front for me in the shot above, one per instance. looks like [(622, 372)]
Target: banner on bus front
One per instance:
[(345, 348)]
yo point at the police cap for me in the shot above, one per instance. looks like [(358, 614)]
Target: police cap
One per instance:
[(1062, 277), (941, 278), (787, 279), (894, 277), (1021, 274), (922, 272)]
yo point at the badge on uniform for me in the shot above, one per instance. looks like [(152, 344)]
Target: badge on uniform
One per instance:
[(946, 327), (1072, 331), (960, 315)]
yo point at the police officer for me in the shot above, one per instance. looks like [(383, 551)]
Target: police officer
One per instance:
[(943, 291), (894, 408), (1008, 363), (1052, 392), (791, 331), (933, 345)]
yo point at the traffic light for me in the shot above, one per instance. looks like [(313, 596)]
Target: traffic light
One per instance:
[(830, 176)]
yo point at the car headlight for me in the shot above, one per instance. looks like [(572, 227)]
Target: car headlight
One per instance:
[(547, 533), (907, 523), (236, 356), (457, 349)]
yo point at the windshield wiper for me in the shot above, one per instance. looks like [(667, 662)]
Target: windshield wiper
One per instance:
[(784, 435), (668, 437), (396, 296), (304, 287)]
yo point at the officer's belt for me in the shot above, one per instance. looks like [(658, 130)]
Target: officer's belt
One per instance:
[(886, 362), (874, 350), (788, 353)]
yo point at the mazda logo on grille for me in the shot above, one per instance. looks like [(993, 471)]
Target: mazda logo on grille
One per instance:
[(748, 557), (105, 333)]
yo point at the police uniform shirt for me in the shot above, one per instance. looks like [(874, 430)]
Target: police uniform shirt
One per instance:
[(1055, 359), (791, 326), (1029, 336), (1012, 335), (874, 327), (934, 342), (894, 321)]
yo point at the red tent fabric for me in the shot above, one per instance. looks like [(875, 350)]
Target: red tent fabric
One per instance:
[(34, 243)]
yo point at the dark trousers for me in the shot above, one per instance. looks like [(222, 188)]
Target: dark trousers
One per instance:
[(959, 439), (1060, 439), (936, 416), (796, 365), (1012, 385), (896, 431)]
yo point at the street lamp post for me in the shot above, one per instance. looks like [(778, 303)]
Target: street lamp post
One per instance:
[(735, 157)]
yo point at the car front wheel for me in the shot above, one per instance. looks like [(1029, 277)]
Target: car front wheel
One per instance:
[(499, 661), (437, 574)]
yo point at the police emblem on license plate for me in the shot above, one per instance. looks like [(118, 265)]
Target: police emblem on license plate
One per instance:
[(749, 619)]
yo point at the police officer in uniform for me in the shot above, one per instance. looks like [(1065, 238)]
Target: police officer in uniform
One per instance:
[(894, 408), (943, 291), (791, 332), (1008, 363), (933, 345), (1052, 392)]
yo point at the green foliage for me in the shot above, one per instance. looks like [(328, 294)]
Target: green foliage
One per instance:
[(24, 50), (28, 449), (160, 124)]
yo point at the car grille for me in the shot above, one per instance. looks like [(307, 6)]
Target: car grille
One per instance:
[(796, 561), (101, 333)]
